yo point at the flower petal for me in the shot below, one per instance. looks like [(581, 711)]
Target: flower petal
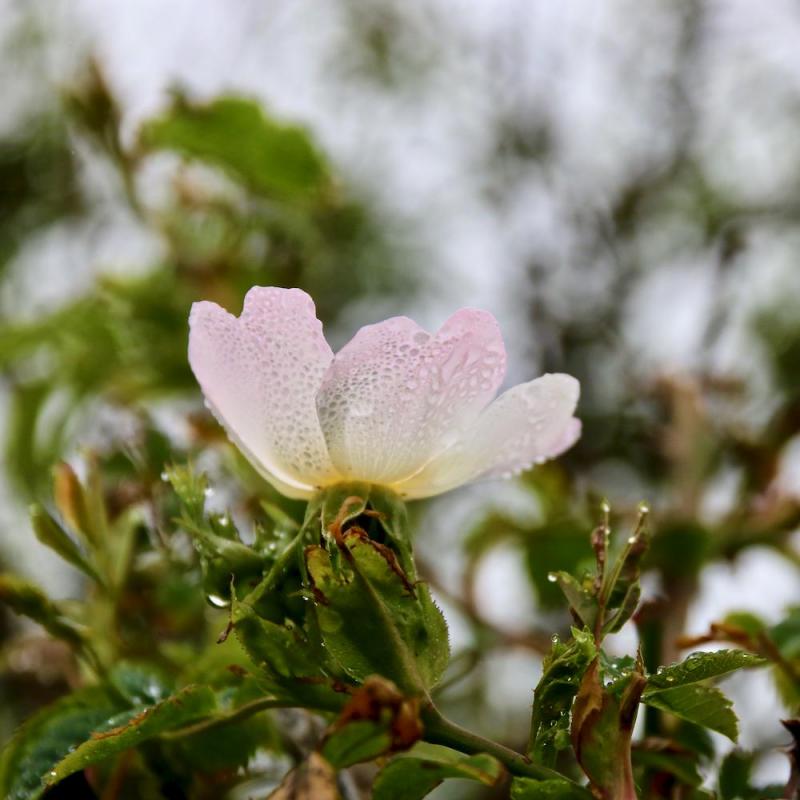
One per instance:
[(395, 396), (526, 425), (260, 374)]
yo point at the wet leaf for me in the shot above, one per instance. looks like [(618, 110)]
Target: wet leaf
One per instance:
[(373, 619), (47, 737), (700, 667), (562, 672), (132, 728), (703, 705)]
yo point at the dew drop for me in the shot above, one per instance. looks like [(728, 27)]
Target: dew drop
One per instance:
[(552, 577), (164, 476), (631, 540), (555, 638), (217, 601)]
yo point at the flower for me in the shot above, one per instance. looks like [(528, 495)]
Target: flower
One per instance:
[(396, 406)]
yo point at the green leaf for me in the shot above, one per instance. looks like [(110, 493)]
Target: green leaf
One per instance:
[(30, 601), (699, 667), (233, 133), (132, 728), (703, 705), (373, 619), (50, 533), (291, 664), (47, 737), (413, 775), (141, 684), (562, 672), (527, 789), (734, 776), (602, 727), (580, 596), (358, 741)]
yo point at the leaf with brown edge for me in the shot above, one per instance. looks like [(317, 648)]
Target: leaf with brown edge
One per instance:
[(377, 720), (602, 728)]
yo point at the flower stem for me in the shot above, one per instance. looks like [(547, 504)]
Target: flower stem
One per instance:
[(440, 730)]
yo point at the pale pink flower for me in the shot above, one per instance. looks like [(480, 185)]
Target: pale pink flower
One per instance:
[(396, 406)]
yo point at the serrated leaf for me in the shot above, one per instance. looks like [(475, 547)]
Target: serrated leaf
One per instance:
[(373, 620), (132, 728), (233, 133), (701, 666), (413, 775), (703, 705), (50, 533), (47, 737), (527, 789), (562, 672)]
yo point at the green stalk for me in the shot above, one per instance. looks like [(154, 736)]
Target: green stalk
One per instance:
[(440, 730)]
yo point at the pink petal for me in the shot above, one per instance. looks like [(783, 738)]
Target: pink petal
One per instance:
[(395, 396), (526, 425), (260, 374)]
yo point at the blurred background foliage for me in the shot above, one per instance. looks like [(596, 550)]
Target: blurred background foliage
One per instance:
[(619, 186)]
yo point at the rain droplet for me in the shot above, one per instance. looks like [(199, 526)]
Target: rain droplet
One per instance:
[(555, 638), (631, 540), (552, 577), (217, 601), (164, 476), (208, 491)]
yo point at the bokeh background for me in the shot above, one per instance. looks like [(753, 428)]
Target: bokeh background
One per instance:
[(618, 182)]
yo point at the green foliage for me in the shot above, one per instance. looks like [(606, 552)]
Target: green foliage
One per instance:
[(133, 728), (562, 672), (413, 775), (234, 134), (526, 789), (372, 618), (28, 760), (702, 705), (699, 667), (50, 533), (28, 600)]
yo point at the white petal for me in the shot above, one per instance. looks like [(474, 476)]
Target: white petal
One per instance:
[(528, 424), (260, 374), (395, 396)]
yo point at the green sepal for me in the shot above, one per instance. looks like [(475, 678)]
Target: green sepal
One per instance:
[(373, 619)]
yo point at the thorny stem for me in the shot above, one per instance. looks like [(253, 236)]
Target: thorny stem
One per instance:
[(440, 730)]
